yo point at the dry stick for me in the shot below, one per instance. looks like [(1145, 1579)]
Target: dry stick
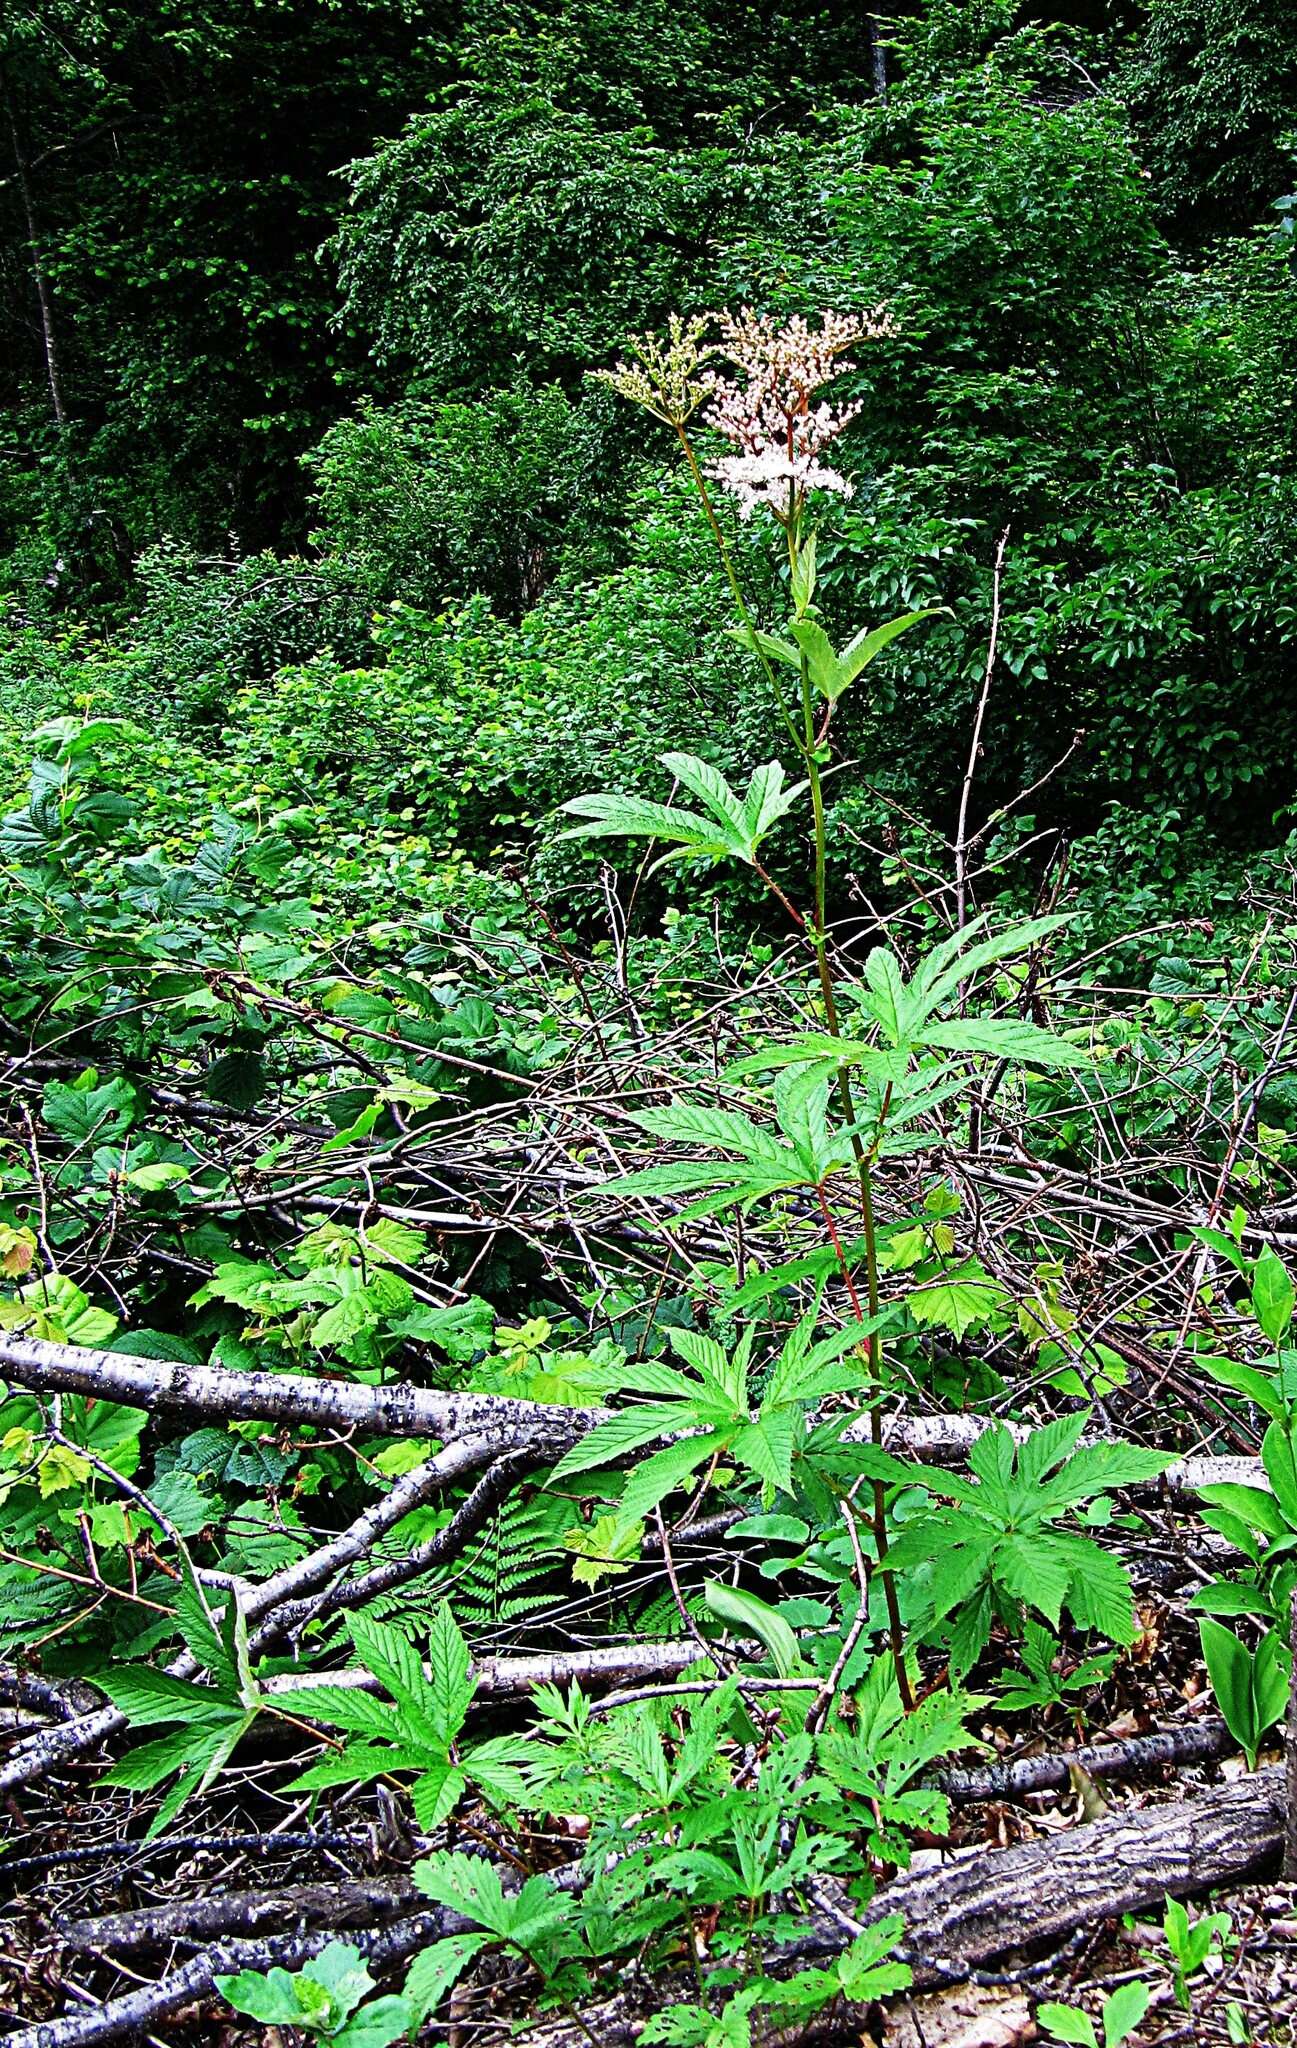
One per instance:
[(820, 1705), (1197, 1742), (486, 1497), (963, 844), (356, 1902), (396, 1410), (507, 1677), (122, 2018), (705, 1649)]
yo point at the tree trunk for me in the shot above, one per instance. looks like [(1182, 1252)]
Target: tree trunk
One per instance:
[(39, 277), (877, 54)]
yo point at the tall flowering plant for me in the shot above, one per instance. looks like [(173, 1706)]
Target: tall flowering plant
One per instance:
[(841, 1102)]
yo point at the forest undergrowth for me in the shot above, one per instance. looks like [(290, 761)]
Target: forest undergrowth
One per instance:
[(648, 1024), (757, 1638)]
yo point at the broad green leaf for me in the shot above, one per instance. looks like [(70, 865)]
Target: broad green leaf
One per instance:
[(1279, 1457), (753, 638), (1271, 1667), (1230, 1669), (270, 1997), (1246, 1380), (1257, 1509), (870, 641), (1272, 1296), (752, 1617), (376, 2025), (1068, 2023), (1123, 2011)]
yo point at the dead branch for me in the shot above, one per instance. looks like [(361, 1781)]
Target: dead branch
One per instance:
[(399, 1410), (290, 1907), (1199, 1742)]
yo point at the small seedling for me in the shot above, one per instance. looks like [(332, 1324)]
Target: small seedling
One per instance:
[(1190, 1945), (323, 1998), (1119, 2016)]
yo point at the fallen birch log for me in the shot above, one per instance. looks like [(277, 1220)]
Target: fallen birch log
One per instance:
[(418, 1411)]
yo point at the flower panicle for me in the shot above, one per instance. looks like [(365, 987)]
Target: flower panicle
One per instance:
[(668, 377), (767, 411), (767, 415)]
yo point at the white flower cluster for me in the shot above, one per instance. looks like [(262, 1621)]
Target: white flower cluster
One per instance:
[(777, 433)]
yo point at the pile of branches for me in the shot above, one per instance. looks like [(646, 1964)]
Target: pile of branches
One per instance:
[(499, 1162)]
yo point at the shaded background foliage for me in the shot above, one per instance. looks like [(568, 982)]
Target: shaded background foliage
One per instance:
[(298, 307)]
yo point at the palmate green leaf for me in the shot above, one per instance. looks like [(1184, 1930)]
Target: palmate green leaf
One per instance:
[(808, 1374), (734, 830), (1005, 1038), (149, 1698), (1045, 1448), (1030, 1569), (197, 1754), (1097, 1468), (651, 1482), (340, 1971), (1099, 1592), (436, 1793), (345, 1707), (472, 1886), (705, 1354), (496, 1768), (766, 1448), (452, 1687), (1068, 2023), (360, 1763), (632, 817), (695, 1123), (680, 1177), (863, 1971), (627, 1431), (944, 970), (888, 1000), (395, 1663)]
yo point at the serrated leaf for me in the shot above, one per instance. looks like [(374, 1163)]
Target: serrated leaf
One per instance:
[(1005, 1038), (651, 1482), (436, 1969), (452, 1686)]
